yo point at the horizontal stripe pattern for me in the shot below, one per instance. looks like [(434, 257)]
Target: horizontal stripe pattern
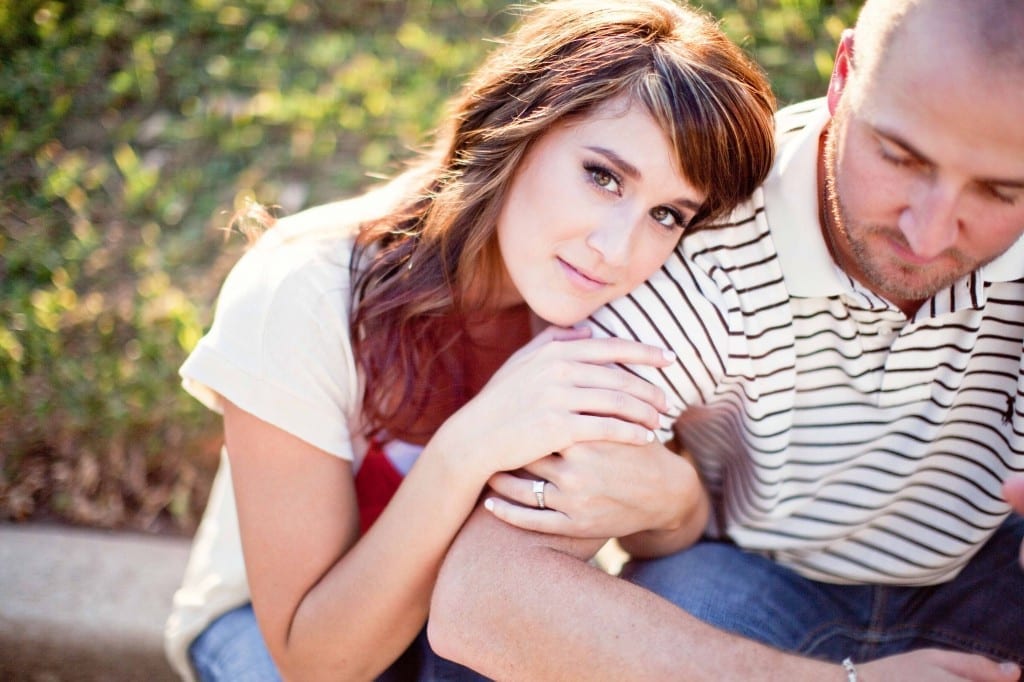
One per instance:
[(840, 438)]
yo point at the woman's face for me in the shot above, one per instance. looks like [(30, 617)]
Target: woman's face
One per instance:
[(595, 208)]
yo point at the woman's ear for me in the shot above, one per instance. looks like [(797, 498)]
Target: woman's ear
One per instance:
[(841, 69)]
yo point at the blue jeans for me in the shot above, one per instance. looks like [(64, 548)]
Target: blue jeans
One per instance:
[(231, 649), (980, 611)]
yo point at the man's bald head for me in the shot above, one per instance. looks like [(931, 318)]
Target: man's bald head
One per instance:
[(989, 31)]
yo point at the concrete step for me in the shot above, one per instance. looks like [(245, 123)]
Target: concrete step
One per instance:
[(82, 605)]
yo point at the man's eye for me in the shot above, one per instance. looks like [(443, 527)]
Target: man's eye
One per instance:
[(897, 160), (1002, 197), (896, 157)]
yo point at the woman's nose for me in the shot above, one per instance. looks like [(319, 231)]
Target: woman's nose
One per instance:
[(613, 239)]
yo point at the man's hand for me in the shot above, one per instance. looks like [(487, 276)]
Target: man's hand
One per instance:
[(936, 665), (1013, 491)]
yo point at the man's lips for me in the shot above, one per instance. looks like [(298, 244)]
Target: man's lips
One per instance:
[(581, 278), (906, 254)]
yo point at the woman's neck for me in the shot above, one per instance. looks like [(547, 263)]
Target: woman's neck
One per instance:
[(491, 338), (494, 336), (508, 328)]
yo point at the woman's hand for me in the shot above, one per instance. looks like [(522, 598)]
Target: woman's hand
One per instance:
[(600, 490), (560, 389)]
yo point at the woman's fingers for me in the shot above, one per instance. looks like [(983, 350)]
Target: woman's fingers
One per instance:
[(578, 387), (612, 351), (615, 404), (527, 518), (558, 334), (590, 427), (561, 389), (619, 380), (521, 491), (552, 429)]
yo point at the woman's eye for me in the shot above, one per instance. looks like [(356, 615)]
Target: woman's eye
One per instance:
[(668, 217), (604, 178)]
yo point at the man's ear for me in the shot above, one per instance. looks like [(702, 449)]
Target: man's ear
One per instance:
[(841, 69)]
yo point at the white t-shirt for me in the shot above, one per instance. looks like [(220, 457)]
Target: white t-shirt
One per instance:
[(280, 349)]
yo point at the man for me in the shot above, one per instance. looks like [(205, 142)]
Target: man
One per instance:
[(850, 360)]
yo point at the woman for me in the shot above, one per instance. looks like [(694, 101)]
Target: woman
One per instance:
[(379, 355)]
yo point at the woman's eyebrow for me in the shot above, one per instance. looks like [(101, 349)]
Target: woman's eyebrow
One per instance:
[(625, 166), (633, 172)]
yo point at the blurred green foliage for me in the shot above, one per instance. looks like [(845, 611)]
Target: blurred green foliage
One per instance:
[(130, 129)]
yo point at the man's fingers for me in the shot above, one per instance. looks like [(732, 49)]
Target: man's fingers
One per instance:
[(1013, 491)]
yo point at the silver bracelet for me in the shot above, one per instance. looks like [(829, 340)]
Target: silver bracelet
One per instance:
[(851, 672)]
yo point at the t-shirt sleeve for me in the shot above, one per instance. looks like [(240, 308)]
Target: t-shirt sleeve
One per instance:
[(279, 347)]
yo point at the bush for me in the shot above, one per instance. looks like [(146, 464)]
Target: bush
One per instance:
[(129, 129)]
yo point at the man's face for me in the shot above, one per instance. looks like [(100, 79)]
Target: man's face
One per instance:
[(926, 159)]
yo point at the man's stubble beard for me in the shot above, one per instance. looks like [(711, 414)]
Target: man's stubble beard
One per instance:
[(886, 276)]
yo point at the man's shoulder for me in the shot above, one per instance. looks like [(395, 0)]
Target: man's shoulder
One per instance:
[(746, 227), (742, 233), (795, 117)]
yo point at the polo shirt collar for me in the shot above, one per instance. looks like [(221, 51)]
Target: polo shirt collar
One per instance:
[(791, 208), (1008, 267)]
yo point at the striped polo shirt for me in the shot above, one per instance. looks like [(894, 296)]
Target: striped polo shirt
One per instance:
[(835, 435)]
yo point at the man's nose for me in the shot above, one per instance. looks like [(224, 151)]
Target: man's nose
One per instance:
[(931, 222)]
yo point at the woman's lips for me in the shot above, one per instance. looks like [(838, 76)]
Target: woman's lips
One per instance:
[(579, 278)]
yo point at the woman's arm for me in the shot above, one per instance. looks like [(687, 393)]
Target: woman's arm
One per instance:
[(329, 606), (333, 605)]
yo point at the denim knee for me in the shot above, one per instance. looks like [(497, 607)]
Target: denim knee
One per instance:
[(232, 648)]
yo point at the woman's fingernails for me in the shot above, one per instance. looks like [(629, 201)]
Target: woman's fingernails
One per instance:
[(668, 355), (489, 504)]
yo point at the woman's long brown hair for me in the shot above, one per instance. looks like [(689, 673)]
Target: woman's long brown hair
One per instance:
[(422, 267)]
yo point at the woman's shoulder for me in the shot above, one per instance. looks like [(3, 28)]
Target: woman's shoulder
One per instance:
[(305, 260), (338, 220), (331, 222), (305, 254), (326, 228)]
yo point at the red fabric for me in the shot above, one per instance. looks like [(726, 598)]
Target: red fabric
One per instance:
[(376, 483)]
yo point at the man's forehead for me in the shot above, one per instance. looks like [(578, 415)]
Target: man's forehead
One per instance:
[(946, 105)]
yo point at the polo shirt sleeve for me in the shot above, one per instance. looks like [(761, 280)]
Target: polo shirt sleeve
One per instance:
[(682, 309), (279, 347)]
